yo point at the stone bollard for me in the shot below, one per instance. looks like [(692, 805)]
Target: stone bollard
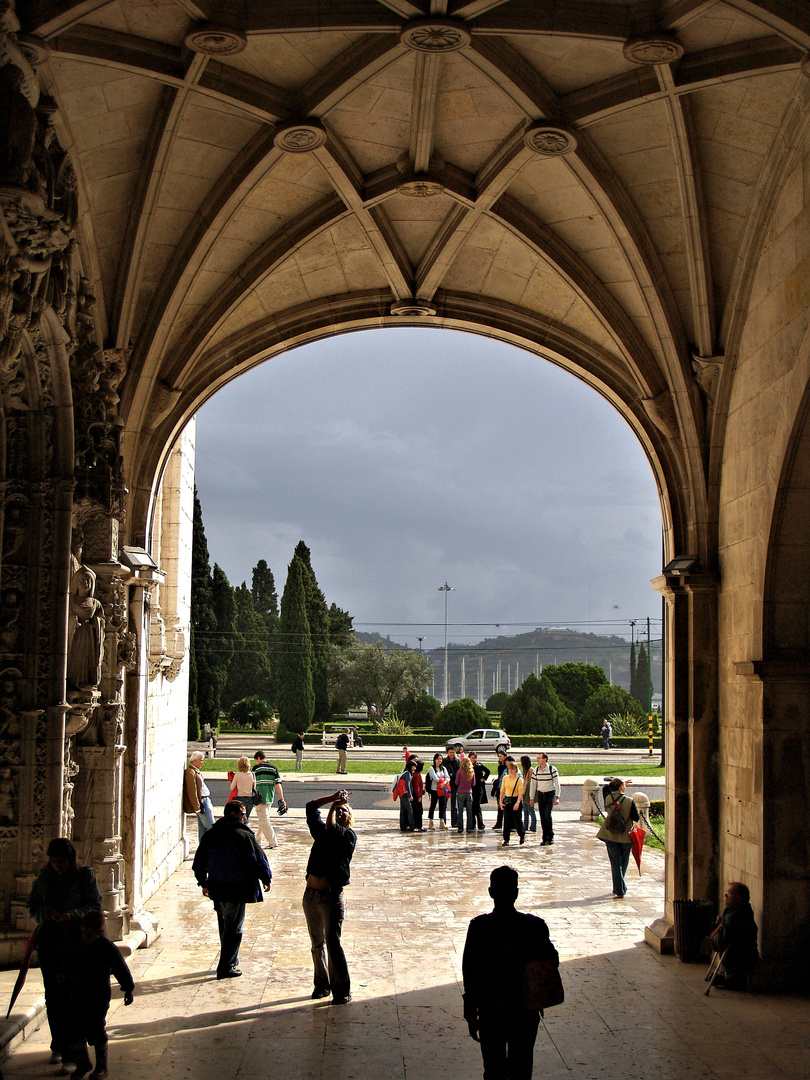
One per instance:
[(642, 802), (587, 809)]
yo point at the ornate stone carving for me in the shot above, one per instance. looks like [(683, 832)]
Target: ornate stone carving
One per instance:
[(805, 65), (661, 410), (300, 137), (435, 35), (550, 141), (35, 49), (86, 651), (423, 188), (707, 373), (659, 49), (412, 307), (213, 40)]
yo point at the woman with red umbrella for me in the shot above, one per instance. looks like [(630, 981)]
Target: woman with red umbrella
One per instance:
[(63, 893)]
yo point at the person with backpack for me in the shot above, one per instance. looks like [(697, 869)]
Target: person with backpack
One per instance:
[(620, 813), (546, 788), (342, 744), (268, 783), (298, 749)]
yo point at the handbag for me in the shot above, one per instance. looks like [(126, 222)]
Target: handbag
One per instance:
[(256, 797), (400, 790), (542, 985)]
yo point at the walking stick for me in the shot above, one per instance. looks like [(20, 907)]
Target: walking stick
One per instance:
[(716, 963)]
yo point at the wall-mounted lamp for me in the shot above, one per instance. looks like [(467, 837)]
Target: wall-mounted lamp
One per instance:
[(682, 565)]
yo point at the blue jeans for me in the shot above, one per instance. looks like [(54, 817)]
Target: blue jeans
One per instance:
[(324, 910), (230, 919), (464, 802), (619, 855), (205, 817), (529, 817)]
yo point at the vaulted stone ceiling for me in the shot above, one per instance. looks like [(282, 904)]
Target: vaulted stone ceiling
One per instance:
[(593, 177)]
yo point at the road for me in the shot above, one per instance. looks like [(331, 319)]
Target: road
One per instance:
[(377, 796)]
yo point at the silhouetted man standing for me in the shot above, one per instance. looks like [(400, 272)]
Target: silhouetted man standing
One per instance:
[(494, 1005)]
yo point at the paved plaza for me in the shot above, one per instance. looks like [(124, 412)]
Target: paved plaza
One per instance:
[(629, 1012)]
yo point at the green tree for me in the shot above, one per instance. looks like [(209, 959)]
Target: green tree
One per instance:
[(575, 683), (535, 708), (294, 696), (420, 710), (250, 672), (318, 618), (341, 631), (633, 675), (461, 716), (264, 595), (203, 694), (643, 690), (224, 640), (603, 702), (496, 701), (377, 678)]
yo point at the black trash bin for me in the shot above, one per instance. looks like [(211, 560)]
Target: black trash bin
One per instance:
[(694, 920)]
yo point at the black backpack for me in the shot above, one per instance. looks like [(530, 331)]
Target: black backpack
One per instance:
[(615, 822)]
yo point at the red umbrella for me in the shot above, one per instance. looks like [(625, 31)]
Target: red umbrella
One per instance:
[(30, 945), (637, 838)]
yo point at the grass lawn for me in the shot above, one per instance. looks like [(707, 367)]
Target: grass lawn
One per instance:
[(358, 767)]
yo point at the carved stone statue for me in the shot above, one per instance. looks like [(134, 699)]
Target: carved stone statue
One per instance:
[(87, 645)]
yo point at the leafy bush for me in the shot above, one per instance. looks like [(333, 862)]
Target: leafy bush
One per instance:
[(604, 701), (575, 682), (461, 716), (496, 701), (627, 724), (419, 710), (252, 712), (536, 706), (392, 725)]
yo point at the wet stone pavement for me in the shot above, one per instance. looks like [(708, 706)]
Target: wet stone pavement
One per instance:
[(628, 1011)]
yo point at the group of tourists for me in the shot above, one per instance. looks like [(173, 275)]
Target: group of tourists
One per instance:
[(460, 780), (257, 787)]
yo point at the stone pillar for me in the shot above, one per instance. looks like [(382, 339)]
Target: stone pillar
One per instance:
[(691, 733), (772, 823), (99, 811)]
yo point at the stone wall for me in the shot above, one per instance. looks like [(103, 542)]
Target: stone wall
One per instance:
[(165, 732), (764, 427)]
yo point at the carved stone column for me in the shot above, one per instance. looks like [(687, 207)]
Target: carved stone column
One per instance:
[(691, 733)]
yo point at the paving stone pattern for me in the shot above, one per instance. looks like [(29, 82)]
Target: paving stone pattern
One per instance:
[(628, 1013)]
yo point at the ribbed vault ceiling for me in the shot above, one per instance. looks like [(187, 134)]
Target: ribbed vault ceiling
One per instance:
[(250, 171)]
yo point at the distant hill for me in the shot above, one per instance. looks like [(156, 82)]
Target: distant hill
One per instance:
[(505, 661)]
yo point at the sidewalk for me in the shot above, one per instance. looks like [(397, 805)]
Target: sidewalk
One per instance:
[(409, 904)]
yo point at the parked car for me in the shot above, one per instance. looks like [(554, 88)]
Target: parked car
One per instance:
[(480, 739)]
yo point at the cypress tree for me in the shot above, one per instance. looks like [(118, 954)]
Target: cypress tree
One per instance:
[(318, 617), (633, 668), (223, 642), (643, 687), (249, 673), (202, 676), (265, 602), (294, 696)]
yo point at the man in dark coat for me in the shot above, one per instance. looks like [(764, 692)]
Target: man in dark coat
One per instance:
[(230, 868), (494, 999)]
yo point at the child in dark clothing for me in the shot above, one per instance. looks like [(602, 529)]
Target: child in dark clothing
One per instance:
[(99, 958)]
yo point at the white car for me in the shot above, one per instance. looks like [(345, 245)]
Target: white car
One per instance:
[(480, 739)]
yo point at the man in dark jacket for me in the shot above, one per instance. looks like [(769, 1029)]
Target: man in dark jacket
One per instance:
[(495, 1008), (328, 872), (229, 867)]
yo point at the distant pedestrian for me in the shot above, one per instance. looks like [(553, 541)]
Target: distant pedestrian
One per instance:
[(298, 749), (328, 873), (495, 1007), (243, 783), (465, 783), (607, 735), (511, 797), (547, 793), (231, 869), (342, 746), (452, 763), (438, 786), (268, 785), (404, 783), (615, 832), (529, 789), (480, 789), (500, 771), (98, 959), (196, 794), (417, 793)]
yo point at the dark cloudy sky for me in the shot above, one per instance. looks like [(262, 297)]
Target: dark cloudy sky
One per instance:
[(405, 458)]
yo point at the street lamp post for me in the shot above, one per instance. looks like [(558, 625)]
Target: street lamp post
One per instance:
[(445, 589)]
